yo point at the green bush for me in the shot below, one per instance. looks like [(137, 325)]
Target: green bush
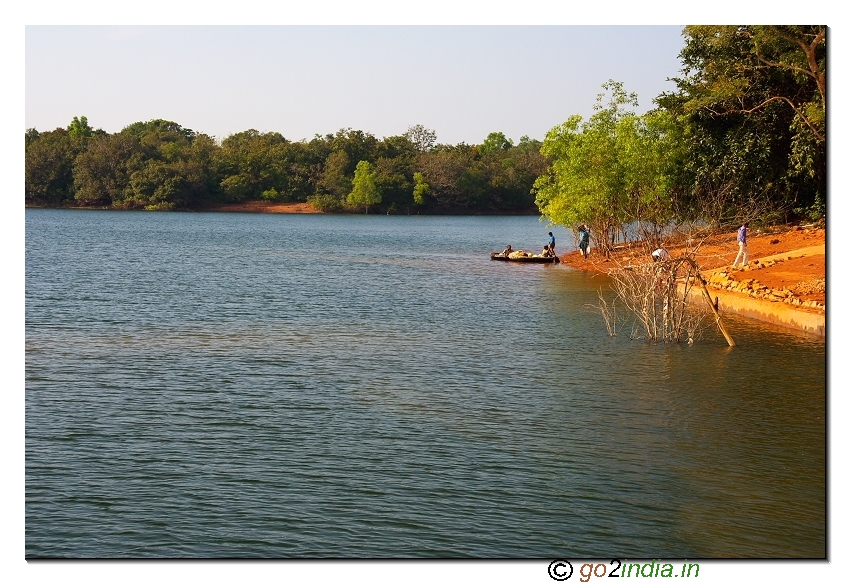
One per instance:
[(271, 194), (325, 202), (816, 211)]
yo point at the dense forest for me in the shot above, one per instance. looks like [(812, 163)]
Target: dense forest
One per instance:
[(159, 165), (742, 136)]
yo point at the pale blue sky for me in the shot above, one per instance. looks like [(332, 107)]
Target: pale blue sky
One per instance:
[(462, 81)]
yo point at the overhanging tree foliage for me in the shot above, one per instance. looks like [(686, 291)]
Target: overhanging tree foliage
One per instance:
[(609, 171), (753, 100)]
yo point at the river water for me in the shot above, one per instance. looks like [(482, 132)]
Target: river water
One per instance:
[(239, 385)]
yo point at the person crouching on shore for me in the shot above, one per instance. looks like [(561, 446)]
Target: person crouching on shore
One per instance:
[(660, 254)]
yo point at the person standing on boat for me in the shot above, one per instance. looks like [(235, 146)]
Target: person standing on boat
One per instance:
[(551, 243), (583, 239), (742, 246)]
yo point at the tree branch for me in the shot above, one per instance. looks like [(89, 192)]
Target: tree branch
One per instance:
[(798, 111), (809, 50), (820, 137)]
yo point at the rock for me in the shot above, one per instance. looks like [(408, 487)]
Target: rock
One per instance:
[(774, 241)]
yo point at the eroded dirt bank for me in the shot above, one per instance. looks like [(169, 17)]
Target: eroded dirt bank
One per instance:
[(784, 283)]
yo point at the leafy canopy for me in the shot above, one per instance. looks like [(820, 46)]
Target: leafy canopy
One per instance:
[(607, 171), (364, 191)]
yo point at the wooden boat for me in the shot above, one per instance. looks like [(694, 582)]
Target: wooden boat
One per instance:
[(525, 259)]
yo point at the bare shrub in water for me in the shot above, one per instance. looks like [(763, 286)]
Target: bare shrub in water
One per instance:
[(609, 313), (651, 293), (659, 296)]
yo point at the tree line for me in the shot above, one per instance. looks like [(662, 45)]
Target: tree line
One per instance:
[(743, 136), (160, 165)]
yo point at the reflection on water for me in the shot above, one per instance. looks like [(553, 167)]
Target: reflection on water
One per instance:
[(252, 385)]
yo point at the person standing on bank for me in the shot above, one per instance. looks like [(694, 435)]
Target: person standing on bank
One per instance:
[(583, 239), (660, 254), (742, 246)]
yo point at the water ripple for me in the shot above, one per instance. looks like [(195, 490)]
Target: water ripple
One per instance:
[(218, 386)]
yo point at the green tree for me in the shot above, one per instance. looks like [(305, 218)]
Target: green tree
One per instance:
[(172, 168), (79, 128), (155, 186), (364, 191), (741, 69), (392, 179), (49, 164), (420, 188), (252, 163), (30, 136), (753, 99), (495, 142), (649, 152), (586, 181), (102, 172), (510, 172), (335, 181), (457, 181)]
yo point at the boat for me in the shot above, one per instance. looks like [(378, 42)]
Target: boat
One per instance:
[(520, 258)]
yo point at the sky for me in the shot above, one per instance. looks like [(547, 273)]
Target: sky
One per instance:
[(461, 81)]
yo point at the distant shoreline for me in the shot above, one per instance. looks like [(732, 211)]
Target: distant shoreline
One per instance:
[(269, 207), (263, 206)]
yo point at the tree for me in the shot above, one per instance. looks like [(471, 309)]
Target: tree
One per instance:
[(155, 186), (357, 145), (510, 172), (30, 136), (252, 163), (160, 165), (586, 180), (336, 178), (420, 188), (79, 128), (173, 167), (102, 172), (649, 154), (421, 137), (48, 172), (392, 179), (364, 190), (754, 101), (495, 142), (741, 69), (456, 182)]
